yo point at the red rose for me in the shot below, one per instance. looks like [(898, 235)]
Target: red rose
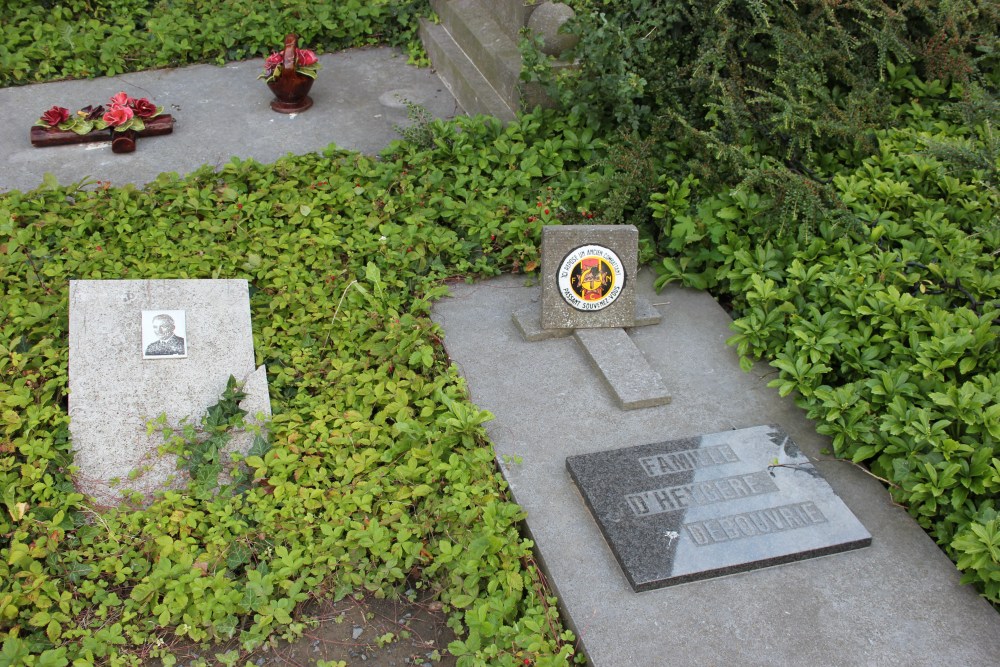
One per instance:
[(118, 116), (121, 100), (305, 57), (55, 115), (144, 108), (273, 60)]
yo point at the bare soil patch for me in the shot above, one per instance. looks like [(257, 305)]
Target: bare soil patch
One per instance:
[(369, 632)]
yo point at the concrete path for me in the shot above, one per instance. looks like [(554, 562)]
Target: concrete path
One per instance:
[(221, 112), (897, 602)]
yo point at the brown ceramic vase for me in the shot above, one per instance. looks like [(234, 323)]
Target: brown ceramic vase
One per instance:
[(290, 88), (291, 92)]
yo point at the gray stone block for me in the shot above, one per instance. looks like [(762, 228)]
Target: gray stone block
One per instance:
[(528, 319), (512, 15), (475, 51), (464, 81), (587, 276), (646, 313), (494, 52), (626, 372), (713, 505), (115, 392)]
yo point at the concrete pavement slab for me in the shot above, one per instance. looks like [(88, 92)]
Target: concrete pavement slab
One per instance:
[(359, 99), (896, 602)]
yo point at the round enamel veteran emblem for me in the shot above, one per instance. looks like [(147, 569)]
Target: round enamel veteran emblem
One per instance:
[(591, 278)]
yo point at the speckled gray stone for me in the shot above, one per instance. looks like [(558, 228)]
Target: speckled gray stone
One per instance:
[(646, 313), (528, 319), (628, 375), (713, 505), (114, 392), (558, 244)]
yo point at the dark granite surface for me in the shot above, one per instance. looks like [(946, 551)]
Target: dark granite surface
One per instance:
[(718, 504)]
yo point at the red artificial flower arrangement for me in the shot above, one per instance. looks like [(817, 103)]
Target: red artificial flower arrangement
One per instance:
[(123, 113)]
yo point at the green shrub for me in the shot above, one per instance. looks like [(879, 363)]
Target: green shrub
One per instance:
[(89, 38), (790, 73), (888, 333), (767, 96)]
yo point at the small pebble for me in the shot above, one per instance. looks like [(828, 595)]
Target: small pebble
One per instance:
[(357, 633)]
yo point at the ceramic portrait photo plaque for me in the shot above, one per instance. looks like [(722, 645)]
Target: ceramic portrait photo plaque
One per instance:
[(164, 334)]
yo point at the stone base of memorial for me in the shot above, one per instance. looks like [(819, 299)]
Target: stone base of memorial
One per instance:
[(703, 507), (588, 290)]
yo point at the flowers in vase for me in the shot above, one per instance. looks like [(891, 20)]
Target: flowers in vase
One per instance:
[(306, 63)]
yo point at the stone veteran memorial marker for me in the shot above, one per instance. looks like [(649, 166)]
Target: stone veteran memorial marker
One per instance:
[(718, 504), (588, 292), (585, 272)]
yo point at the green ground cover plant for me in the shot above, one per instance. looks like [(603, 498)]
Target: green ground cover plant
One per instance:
[(58, 39), (887, 330), (377, 477)]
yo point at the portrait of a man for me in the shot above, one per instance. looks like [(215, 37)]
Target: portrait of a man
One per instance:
[(162, 335)]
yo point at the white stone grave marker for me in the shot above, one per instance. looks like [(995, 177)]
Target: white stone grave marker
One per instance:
[(139, 349)]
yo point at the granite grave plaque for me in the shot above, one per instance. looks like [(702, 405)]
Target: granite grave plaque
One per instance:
[(713, 505)]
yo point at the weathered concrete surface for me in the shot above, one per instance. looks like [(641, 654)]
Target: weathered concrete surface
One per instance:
[(897, 602), (628, 375), (115, 392), (219, 113)]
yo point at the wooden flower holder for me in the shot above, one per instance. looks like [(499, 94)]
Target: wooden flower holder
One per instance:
[(52, 136), (291, 88)]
